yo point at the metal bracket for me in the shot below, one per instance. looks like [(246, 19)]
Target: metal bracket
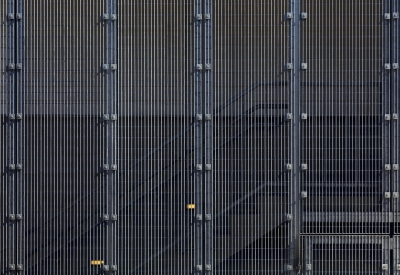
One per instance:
[(304, 166), (208, 217), (105, 117), (104, 67), (18, 267), (303, 194), (199, 167), (113, 17), (288, 166), (114, 167), (398, 266), (308, 267), (388, 167), (207, 16), (289, 66), (289, 267), (289, 116), (19, 116), (113, 268), (304, 66), (387, 116), (395, 195), (304, 116), (395, 167), (395, 116), (199, 268), (386, 16), (198, 17), (106, 167), (113, 67), (199, 117), (207, 66), (105, 268), (208, 167), (114, 217), (387, 66), (18, 66), (289, 217), (387, 195), (199, 67), (288, 16), (303, 15), (395, 66), (199, 217), (395, 15), (207, 267), (10, 16), (105, 218), (208, 117), (385, 267)]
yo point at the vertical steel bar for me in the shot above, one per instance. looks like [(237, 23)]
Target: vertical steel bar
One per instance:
[(198, 158), (386, 159), (208, 196), (10, 132), (19, 113), (295, 127)]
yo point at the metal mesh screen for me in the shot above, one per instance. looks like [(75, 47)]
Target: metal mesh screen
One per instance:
[(64, 137), (344, 96), (251, 188), (157, 141), (346, 255)]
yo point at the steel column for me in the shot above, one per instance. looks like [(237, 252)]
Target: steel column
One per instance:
[(295, 128), (11, 181), (198, 136)]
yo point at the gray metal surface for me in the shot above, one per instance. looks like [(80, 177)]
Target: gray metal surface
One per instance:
[(199, 137)]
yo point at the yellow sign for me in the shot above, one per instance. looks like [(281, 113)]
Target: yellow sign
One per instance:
[(96, 262), (189, 206)]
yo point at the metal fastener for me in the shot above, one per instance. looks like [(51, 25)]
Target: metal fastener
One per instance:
[(208, 167), (304, 166), (387, 167), (199, 167), (308, 267), (18, 16), (11, 217), (387, 66), (105, 217), (105, 267), (20, 267), (113, 67), (398, 266), (289, 116), (304, 66), (395, 116), (104, 67), (288, 15), (106, 167), (114, 217), (303, 194), (289, 217), (199, 16), (207, 267), (113, 17), (11, 267), (19, 116), (199, 67), (395, 167), (207, 66), (387, 116), (199, 117), (11, 166), (199, 217), (18, 166), (106, 117), (288, 166), (289, 66), (303, 15), (289, 267), (10, 16), (207, 16), (18, 217), (199, 268), (11, 116), (113, 267), (208, 217), (208, 117), (395, 66), (11, 66), (113, 117), (104, 16), (386, 16), (395, 15), (304, 116), (387, 195), (385, 267), (395, 195), (114, 167), (18, 66)]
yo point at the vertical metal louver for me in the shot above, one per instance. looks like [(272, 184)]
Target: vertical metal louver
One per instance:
[(160, 137), (345, 138), (65, 140), (251, 137), (346, 255)]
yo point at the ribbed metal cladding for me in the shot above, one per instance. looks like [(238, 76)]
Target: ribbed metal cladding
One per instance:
[(65, 141), (346, 255), (159, 137), (345, 136), (251, 137)]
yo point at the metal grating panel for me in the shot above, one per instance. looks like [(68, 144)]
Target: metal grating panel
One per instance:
[(346, 255), (159, 137), (251, 138), (65, 137), (344, 135)]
